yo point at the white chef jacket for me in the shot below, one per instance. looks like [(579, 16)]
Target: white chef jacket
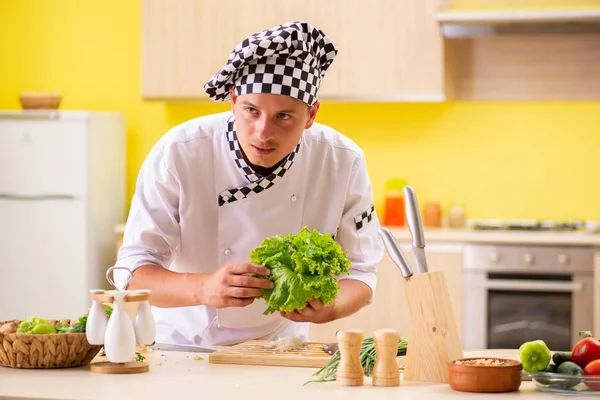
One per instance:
[(199, 206)]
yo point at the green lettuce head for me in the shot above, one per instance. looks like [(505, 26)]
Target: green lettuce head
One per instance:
[(303, 267)]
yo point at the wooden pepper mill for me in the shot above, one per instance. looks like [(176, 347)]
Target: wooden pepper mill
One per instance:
[(350, 371), (386, 371)]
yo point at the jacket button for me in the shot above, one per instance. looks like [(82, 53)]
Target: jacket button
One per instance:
[(225, 198), (293, 198), (227, 252)]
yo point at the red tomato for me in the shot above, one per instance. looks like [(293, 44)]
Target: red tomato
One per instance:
[(593, 368), (585, 351)]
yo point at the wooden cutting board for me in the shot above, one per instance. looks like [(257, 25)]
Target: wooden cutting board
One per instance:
[(254, 352)]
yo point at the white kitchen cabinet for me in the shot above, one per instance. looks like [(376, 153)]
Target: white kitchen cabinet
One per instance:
[(389, 308), (388, 49), (38, 158), (62, 191), (44, 263)]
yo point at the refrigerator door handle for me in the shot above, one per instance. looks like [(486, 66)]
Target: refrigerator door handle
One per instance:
[(37, 197)]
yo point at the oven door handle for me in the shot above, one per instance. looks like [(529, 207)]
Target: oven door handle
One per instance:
[(514, 285)]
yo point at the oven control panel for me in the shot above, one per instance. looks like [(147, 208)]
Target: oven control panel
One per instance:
[(486, 257)]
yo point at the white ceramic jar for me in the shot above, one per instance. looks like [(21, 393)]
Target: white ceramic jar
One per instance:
[(97, 320), (145, 328), (119, 340)]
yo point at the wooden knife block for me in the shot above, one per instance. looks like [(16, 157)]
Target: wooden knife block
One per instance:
[(434, 339)]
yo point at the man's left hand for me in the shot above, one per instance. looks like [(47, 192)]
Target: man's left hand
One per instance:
[(314, 312)]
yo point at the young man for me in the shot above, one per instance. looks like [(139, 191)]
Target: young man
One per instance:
[(214, 187)]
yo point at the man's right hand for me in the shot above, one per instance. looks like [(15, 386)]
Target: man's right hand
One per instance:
[(233, 286)]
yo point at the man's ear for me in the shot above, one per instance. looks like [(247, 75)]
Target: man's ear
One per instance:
[(312, 114), (233, 97)]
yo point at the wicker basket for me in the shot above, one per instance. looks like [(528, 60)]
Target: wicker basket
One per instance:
[(30, 101), (19, 350)]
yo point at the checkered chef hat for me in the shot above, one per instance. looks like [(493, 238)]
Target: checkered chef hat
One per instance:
[(289, 59)]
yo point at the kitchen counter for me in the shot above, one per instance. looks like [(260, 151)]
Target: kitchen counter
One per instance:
[(177, 375), (466, 235)]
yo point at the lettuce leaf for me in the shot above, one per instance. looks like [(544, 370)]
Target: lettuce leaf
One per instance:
[(303, 267)]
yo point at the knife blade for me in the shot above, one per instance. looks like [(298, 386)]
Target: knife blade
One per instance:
[(181, 347), (330, 348), (420, 259), (413, 218)]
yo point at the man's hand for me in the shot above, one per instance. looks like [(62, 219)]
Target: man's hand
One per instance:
[(314, 312), (352, 296), (233, 286)]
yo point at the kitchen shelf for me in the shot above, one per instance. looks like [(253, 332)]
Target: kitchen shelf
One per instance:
[(521, 16)]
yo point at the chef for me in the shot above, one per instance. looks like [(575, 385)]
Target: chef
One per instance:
[(213, 188)]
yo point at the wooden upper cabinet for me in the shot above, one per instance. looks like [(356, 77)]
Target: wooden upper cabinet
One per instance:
[(521, 49), (388, 49), (186, 42), (533, 67)]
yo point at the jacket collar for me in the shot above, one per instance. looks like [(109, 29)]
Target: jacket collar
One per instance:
[(256, 183)]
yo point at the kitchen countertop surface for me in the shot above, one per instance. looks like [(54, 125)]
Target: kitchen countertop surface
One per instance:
[(466, 235), (450, 235), (177, 375)]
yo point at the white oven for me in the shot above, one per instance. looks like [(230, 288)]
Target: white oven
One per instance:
[(516, 293)]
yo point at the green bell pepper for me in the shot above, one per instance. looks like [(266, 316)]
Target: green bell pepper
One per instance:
[(36, 326), (535, 356)]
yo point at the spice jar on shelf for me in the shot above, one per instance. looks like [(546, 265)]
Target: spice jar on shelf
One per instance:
[(432, 215), (456, 216), (394, 203)]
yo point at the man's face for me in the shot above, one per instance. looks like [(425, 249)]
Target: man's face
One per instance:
[(269, 126)]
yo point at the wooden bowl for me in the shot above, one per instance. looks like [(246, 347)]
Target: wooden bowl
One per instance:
[(473, 375), (40, 101)]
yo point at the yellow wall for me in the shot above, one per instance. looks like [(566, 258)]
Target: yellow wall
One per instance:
[(501, 160)]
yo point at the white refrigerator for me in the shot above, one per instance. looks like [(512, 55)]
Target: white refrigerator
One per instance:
[(62, 191)]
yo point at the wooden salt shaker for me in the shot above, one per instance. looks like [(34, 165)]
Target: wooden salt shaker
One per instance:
[(386, 371), (350, 371)]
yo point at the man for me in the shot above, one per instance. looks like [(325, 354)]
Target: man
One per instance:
[(214, 187)]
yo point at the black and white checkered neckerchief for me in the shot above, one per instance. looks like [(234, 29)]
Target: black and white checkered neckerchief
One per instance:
[(257, 184)]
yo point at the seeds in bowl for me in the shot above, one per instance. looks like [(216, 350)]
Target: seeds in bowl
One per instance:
[(486, 362)]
